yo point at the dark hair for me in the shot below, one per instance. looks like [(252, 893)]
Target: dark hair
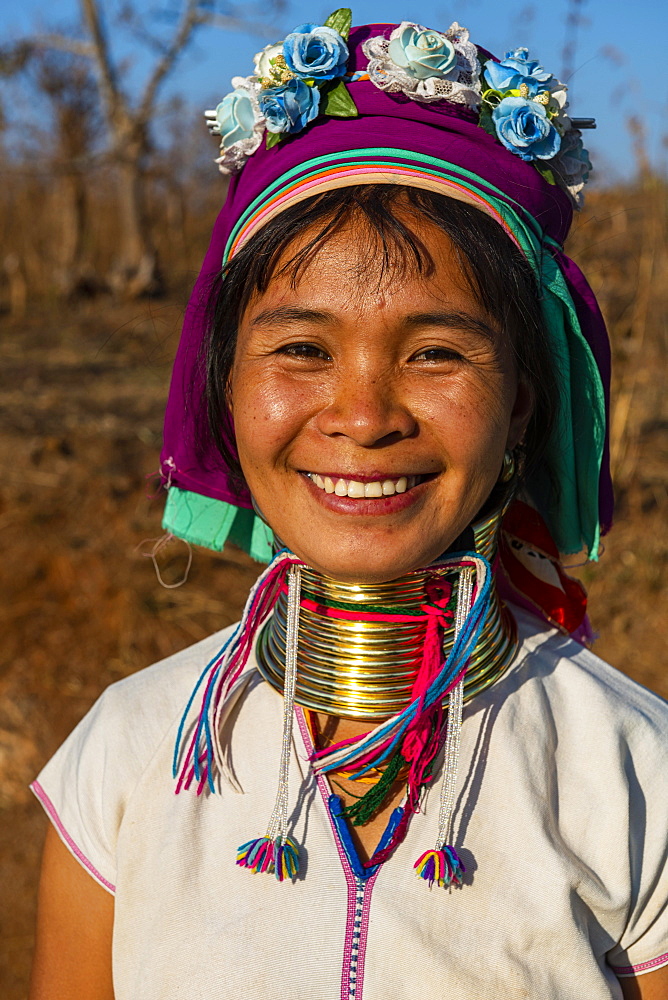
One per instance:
[(496, 269)]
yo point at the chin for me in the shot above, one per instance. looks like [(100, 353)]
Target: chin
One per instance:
[(368, 565), (383, 574)]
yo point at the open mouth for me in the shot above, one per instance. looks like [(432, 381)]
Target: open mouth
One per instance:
[(358, 490)]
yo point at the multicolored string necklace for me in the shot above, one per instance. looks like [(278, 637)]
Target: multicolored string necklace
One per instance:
[(458, 609)]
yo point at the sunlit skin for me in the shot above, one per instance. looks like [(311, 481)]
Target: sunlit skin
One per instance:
[(351, 374)]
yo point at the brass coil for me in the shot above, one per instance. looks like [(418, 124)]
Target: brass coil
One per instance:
[(366, 670)]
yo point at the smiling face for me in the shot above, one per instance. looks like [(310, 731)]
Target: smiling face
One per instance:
[(372, 410)]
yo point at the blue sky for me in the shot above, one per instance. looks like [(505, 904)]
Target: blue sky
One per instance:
[(619, 65)]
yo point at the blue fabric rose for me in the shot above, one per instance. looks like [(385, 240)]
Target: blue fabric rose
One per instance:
[(524, 128), (422, 53), (289, 108), (515, 69), (314, 52), (235, 117), (576, 160)]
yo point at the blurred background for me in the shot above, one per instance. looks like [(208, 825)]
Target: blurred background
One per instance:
[(108, 192)]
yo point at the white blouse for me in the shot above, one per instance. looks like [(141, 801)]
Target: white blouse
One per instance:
[(561, 822)]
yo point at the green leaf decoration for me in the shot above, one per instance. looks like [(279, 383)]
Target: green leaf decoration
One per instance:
[(341, 21), (542, 168), (492, 98), (273, 138), (486, 121), (338, 102)]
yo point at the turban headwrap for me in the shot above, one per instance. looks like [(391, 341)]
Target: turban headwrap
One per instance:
[(441, 147)]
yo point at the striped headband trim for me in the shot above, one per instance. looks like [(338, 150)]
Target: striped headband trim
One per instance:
[(383, 166)]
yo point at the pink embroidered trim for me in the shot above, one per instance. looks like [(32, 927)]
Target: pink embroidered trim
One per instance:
[(634, 970), (50, 809), (364, 931), (351, 883)]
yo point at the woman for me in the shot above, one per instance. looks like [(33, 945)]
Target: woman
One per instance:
[(398, 357)]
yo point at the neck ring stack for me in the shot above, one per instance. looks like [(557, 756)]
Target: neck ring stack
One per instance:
[(365, 667)]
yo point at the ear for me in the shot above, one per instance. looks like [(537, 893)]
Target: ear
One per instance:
[(520, 415)]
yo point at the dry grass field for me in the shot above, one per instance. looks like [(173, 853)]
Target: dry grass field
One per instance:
[(81, 398)]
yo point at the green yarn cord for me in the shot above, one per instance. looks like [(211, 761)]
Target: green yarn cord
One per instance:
[(367, 805), (363, 609)]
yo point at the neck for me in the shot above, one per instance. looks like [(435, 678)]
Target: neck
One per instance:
[(360, 646)]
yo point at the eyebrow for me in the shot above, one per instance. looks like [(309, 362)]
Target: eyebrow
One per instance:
[(285, 315), (452, 320)]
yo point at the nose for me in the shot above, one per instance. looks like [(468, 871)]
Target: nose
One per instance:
[(368, 409)]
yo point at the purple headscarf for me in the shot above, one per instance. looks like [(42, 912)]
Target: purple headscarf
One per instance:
[(393, 123)]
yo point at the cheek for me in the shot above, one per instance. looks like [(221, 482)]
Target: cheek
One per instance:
[(268, 415), (471, 418)]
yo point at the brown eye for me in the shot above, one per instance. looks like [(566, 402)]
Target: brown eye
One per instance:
[(435, 355), (307, 351)]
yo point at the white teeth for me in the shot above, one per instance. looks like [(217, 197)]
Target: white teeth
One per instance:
[(357, 490)]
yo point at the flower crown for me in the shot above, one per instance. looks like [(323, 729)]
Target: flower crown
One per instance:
[(302, 78)]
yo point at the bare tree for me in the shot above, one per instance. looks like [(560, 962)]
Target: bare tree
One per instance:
[(128, 122), (67, 83)]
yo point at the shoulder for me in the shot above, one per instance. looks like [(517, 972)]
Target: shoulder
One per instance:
[(129, 724), (86, 786), (140, 709), (584, 690), (164, 683), (589, 741), (582, 693)]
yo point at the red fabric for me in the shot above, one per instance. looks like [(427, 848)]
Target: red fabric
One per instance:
[(564, 606)]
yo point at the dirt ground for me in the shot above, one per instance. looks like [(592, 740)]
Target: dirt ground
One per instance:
[(81, 402)]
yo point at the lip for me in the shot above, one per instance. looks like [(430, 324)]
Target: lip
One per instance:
[(359, 477), (371, 507)]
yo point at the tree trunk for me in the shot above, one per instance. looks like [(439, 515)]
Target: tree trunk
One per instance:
[(70, 209), (18, 287), (135, 271)]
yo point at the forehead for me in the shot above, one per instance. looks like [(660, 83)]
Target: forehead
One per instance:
[(394, 258)]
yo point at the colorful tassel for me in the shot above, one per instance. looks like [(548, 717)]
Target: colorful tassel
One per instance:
[(276, 857), (442, 866), (286, 856), (196, 760), (257, 855), (410, 735), (276, 852)]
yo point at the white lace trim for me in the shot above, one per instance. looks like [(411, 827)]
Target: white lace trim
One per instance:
[(461, 86)]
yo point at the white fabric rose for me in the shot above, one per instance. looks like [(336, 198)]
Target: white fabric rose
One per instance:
[(263, 59), (429, 65), (422, 53)]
